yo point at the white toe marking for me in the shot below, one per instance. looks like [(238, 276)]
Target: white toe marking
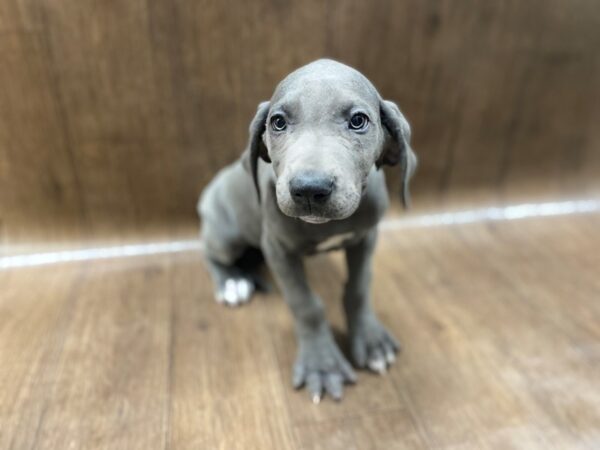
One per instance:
[(230, 292), (316, 399), (244, 290), (235, 291), (390, 357), (377, 365)]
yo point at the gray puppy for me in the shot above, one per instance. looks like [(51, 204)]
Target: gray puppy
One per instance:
[(309, 181)]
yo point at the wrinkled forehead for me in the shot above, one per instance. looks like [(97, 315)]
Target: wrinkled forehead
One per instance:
[(322, 94)]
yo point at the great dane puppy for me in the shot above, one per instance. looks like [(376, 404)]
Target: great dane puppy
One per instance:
[(310, 181)]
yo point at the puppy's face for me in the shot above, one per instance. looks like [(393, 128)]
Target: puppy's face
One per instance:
[(323, 135), (323, 131)]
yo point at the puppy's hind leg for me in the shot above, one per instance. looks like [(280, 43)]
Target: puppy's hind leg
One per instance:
[(233, 286)]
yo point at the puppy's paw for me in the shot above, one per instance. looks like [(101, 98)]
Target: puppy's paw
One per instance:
[(235, 291), (322, 368), (373, 347)]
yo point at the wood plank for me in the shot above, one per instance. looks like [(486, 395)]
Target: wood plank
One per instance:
[(384, 430), (34, 311), (111, 384), (227, 389), (490, 325), (498, 323)]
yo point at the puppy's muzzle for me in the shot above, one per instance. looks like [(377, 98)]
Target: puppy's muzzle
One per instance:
[(311, 188)]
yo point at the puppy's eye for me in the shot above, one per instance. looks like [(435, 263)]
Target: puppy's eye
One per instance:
[(278, 123), (358, 122)]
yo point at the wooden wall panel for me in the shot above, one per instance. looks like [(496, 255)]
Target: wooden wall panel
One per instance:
[(496, 92), (114, 115), (19, 16), (38, 183)]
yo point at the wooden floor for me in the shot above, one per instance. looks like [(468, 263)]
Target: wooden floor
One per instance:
[(500, 324)]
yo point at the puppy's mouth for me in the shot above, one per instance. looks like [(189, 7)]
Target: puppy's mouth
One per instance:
[(315, 220), (341, 204), (317, 214)]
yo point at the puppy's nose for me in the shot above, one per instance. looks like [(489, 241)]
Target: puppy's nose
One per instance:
[(316, 188)]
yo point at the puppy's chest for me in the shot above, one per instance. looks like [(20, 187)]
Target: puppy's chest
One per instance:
[(333, 242)]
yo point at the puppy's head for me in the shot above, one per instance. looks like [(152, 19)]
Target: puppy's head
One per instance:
[(323, 130)]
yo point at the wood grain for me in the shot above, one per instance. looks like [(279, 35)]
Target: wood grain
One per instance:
[(498, 323), (114, 115)]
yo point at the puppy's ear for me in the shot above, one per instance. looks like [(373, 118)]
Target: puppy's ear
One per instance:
[(256, 147), (397, 148)]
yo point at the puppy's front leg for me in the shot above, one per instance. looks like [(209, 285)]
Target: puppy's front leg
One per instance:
[(319, 364), (372, 345)]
